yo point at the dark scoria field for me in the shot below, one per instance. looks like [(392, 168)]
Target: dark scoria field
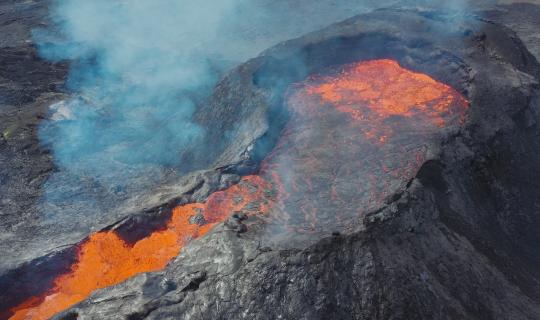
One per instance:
[(376, 164)]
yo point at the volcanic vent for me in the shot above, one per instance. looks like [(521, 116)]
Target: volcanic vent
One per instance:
[(357, 134)]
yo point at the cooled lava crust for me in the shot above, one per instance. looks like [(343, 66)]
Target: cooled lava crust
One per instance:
[(394, 152)]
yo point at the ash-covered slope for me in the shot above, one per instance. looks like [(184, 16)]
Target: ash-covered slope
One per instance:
[(460, 242)]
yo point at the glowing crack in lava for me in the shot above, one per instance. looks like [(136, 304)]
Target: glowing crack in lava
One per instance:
[(356, 136)]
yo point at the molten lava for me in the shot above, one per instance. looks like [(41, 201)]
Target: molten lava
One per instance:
[(374, 91), (356, 136), (105, 259)]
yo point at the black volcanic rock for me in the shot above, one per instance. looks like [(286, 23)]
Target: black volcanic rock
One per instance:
[(27, 86), (522, 18), (460, 242)]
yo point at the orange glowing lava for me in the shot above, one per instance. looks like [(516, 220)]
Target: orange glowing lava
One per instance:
[(327, 169), (105, 259), (377, 90), (356, 136)]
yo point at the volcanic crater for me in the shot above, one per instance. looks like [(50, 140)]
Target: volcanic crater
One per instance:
[(354, 137), (347, 141)]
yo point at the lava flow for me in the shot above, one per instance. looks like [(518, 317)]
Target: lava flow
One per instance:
[(105, 259), (356, 136)]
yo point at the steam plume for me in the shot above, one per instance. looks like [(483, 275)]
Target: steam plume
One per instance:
[(138, 67)]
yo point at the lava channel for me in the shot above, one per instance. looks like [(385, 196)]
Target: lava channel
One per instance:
[(356, 135)]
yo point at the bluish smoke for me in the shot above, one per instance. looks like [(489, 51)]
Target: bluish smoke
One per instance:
[(137, 70), (136, 65)]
